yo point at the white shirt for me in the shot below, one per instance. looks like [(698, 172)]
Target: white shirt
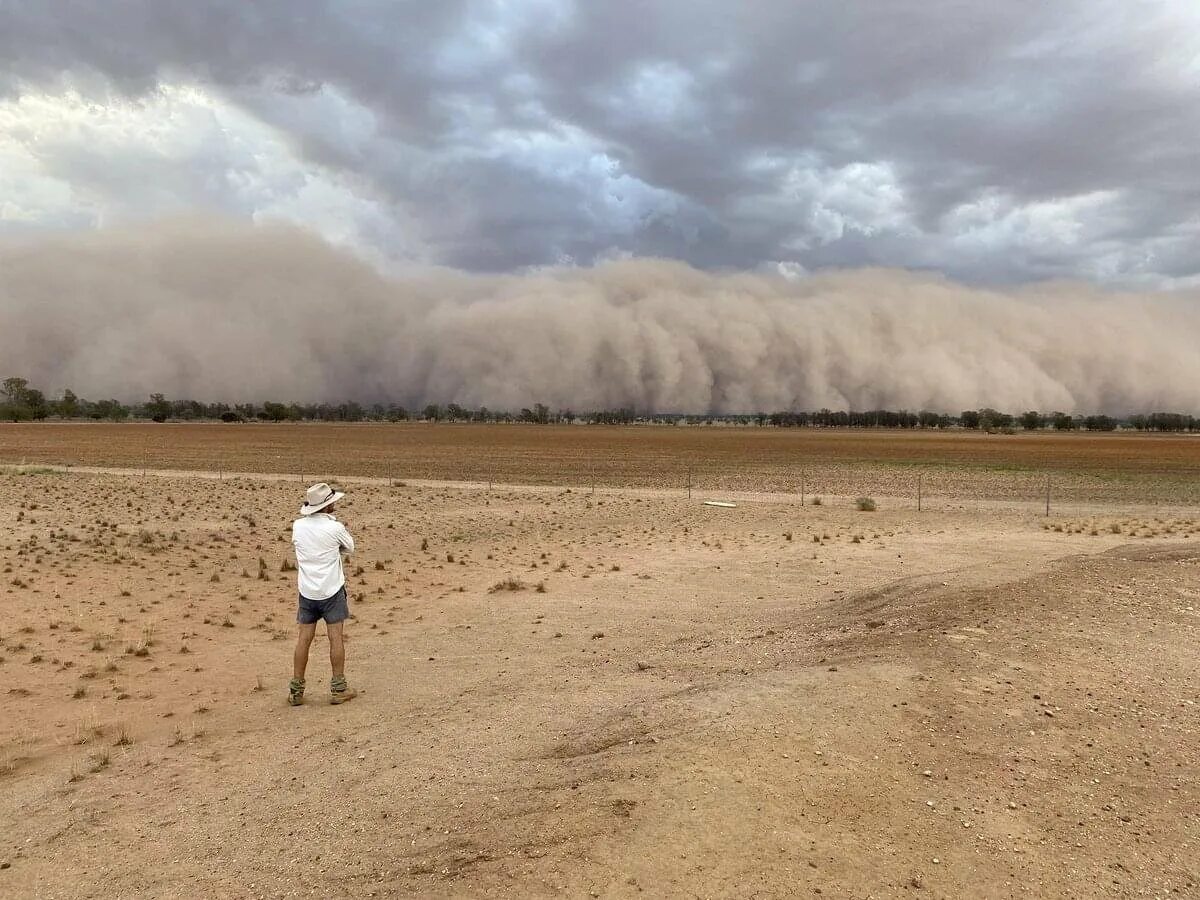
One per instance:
[(320, 540)]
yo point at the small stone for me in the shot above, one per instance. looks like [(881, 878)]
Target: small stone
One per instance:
[(927, 773), (642, 666)]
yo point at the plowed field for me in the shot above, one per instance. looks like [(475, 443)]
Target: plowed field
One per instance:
[(1125, 467)]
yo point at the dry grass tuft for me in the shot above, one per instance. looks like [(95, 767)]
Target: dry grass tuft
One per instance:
[(508, 584)]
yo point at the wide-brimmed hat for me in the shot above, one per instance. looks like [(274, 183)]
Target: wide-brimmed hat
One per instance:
[(319, 496)]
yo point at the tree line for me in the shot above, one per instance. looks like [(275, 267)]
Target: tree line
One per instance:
[(20, 402)]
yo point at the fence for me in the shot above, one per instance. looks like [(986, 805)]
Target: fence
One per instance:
[(921, 488)]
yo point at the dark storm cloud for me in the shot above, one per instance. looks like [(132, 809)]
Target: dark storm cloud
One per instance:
[(995, 142)]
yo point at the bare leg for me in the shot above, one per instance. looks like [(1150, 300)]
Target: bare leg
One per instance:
[(304, 639), (337, 650)]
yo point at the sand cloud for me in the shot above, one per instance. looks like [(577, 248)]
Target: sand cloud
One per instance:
[(209, 309)]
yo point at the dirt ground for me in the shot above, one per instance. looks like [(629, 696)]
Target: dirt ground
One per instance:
[(676, 700), (952, 464)]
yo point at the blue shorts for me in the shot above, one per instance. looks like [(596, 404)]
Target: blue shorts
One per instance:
[(333, 610)]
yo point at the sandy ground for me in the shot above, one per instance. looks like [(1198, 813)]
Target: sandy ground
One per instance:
[(680, 701)]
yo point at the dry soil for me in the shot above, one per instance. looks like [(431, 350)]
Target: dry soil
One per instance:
[(613, 694)]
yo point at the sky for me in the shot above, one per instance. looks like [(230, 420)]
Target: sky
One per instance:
[(996, 144)]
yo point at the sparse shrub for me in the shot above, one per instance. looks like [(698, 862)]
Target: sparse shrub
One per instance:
[(816, 501), (100, 761), (864, 504), (508, 584)]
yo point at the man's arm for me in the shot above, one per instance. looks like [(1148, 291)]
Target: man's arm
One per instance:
[(345, 539)]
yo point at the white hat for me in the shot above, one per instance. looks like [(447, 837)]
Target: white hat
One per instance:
[(318, 497)]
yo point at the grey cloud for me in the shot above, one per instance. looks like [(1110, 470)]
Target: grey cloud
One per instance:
[(739, 128)]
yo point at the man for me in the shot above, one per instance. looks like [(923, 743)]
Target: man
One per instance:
[(320, 541)]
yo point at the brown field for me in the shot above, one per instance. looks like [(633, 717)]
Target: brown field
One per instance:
[(775, 700), (1111, 467)]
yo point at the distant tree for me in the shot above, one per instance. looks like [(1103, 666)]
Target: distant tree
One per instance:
[(15, 400), (350, 412), (968, 418), (396, 413), (1032, 420), (456, 413), (1061, 421), (1164, 421), (14, 389), (432, 413), (1100, 423), (109, 409), (36, 401), (158, 409), (993, 420), (67, 407), (230, 416), (1138, 422), (274, 412), (190, 409)]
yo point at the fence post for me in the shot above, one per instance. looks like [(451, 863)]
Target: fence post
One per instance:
[(689, 482), (803, 478), (919, 477), (1047, 495)]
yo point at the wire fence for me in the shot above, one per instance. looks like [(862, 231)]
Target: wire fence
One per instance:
[(909, 486)]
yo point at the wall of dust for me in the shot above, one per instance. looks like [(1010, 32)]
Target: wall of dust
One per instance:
[(214, 310)]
